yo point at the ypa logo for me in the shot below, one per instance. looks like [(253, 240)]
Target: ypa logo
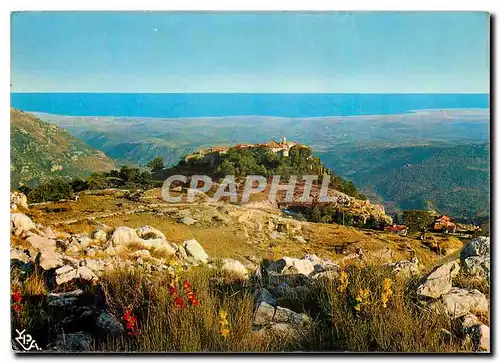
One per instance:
[(26, 341)]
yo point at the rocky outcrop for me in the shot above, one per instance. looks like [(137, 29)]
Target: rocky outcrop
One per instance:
[(438, 281), (478, 332), (21, 222), (124, 236), (459, 302), (195, 250), (404, 267), (475, 257), (18, 199), (235, 267)]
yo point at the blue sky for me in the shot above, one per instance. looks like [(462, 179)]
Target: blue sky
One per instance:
[(365, 52)]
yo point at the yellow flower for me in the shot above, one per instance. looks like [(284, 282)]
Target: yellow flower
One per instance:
[(224, 324), (223, 314), (387, 292), (362, 299), (224, 332), (344, 281)]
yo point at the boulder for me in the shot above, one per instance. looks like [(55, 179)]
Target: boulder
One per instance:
[(195, 250), (263, 315), (147, 232), (47, 232), (404, 267), (50, 259), (21, 221), (297, 320), (181, 253), (18, 199), (475, 257), (67, 273), (41, 243), (187, 220), (109, 324), (287, 265), (123, 236), (439, 280), (263, 295), (100, 236), (235, 267), (459, 302), (320, 264), (19, 255), (478, 332)]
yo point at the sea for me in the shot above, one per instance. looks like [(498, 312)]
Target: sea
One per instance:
[(177, 105)]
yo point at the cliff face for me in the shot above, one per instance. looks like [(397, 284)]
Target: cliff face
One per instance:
[(41, 151)]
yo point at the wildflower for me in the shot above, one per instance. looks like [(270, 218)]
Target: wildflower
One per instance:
[(386, 292), (16, 296), (17, 307), (344, 281), (131, 323), (362, 299), (172, 290), (187, 286), (224, 324), (179, 302)]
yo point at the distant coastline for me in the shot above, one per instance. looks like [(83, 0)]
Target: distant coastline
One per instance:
[(179, 105)]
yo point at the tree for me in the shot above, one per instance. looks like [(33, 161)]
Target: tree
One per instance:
[(417, 220), (79, 185), (52, 190), (156, 164), (97, 181)]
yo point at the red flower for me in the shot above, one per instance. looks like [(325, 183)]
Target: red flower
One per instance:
[(187, 286), (17, 307), (179, 302), (194, 302), (16, 296), (131, 321), (172, 290)]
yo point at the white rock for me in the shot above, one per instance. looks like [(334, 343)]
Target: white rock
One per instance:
[(292, 265), (100, 236), (459, 302), (195, 250), (263, 314), (147, 232), (188, 221), (123, 236), (438, 282), (284, 315), (41, 243), (67, 273), (234, 266), (18, 199), (16, 254), (47, 232), (404, 267), (50, 259), (22, 221)]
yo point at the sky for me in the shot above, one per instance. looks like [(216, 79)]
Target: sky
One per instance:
[(161, 52)]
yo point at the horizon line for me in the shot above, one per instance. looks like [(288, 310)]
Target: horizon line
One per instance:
[(263, 93)]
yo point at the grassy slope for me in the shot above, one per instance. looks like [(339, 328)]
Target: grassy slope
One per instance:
[(40, 150)]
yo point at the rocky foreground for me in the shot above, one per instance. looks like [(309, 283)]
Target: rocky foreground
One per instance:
[(73, 265)]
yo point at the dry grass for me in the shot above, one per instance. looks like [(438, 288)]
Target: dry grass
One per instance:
[(165, 327)]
